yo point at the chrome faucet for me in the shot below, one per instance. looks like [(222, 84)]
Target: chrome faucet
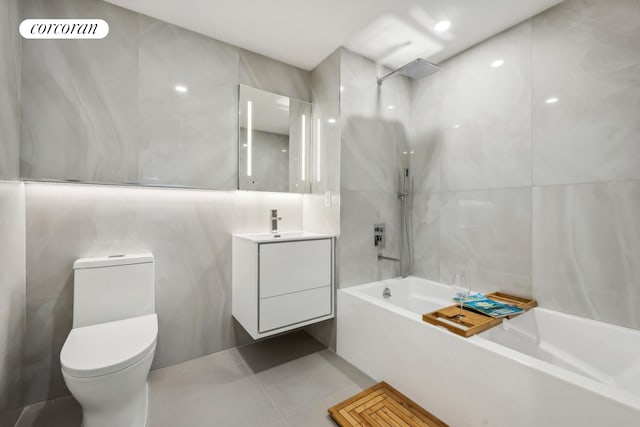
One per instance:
[(274, 218)]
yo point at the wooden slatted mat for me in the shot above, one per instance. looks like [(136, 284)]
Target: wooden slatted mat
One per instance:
[(382, 406)]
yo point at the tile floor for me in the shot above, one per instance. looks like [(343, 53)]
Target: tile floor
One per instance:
[(287, 381)]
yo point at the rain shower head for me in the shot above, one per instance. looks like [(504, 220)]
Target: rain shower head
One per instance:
[(416, 69)]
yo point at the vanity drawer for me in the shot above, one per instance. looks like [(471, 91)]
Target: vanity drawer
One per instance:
[(284, 310), (287, 267)]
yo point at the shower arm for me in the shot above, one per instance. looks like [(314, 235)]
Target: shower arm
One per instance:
[(385, 77)]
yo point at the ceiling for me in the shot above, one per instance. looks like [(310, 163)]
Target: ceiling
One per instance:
[(304, 32)]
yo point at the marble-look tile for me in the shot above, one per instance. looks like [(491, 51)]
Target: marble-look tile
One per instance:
[(586, 241), (301, 382), (9, 89), (12, 298), (263, 355), (426, 133), (375, 138), (80, 97), (231, 388), (9, 417), (425, 230), (319, 218), (60, 412), (485, 117), (358, 85), (48, 322), (187, 138), (372, 156), (324, 332), (325, 97), (189, 233), (198, 392), (315, 414), (586, 53), (487, 235), (274, 76), (252, 209), (358, 262), (360, 94)]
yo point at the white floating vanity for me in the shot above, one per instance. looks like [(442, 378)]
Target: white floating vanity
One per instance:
[(282, 281)]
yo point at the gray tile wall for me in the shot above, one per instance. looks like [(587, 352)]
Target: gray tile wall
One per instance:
[(107, 110), (12, 299), (317, 216), (325, 158), (119, 94), (325, 97), (12, 227), (188, 139), (265, 73), (80, 98), (374, 150), (189, 233), (10, 44), (532, 197)]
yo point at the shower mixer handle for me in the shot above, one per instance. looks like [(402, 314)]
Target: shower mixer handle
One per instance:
[(379, 238)]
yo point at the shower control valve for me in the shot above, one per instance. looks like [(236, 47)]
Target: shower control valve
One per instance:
[(379, 235)]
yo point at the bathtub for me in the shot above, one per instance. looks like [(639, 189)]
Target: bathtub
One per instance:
[(542, 368)]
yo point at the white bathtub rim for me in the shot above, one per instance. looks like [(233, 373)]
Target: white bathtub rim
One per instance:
[(606, 391)]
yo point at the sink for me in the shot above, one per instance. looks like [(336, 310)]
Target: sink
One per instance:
[(282, 281), (287, 236)]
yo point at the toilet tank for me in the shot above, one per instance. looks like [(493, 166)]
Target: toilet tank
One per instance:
[(112, 288)]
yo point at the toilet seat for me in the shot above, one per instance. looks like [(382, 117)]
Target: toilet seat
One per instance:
[(105, 348)]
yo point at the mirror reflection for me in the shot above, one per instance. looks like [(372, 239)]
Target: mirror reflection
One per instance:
[(274, 142)]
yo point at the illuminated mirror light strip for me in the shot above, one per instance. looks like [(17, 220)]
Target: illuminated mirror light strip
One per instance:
[(249, 135), (318, 153), (303, 154)]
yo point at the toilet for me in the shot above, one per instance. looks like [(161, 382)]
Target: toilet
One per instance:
[(107, 356)]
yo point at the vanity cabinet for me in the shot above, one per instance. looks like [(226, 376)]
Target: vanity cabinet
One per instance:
[(282, 281)]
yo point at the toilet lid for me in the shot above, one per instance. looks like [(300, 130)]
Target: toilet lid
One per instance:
[(104, 348)]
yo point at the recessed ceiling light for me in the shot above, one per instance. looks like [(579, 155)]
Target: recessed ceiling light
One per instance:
[(456, 126), (404, 152), (390, 107), (331, 120), (245, 145), (181, 88), (497, 63), (284, 151), (442, 26), (552, 100), (412, 152)]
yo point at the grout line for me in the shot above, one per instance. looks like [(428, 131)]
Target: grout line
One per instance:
[(531, 153)]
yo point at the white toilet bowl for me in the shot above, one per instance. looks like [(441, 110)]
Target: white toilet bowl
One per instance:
[(105, 366)]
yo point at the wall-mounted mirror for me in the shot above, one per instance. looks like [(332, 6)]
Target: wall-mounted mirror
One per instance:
[(274, 142)]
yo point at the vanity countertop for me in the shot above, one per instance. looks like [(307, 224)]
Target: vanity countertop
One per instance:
[(282, 237)]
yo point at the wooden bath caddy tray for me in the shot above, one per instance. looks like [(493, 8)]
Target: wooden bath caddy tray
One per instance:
[(382, 405), (471, 323)]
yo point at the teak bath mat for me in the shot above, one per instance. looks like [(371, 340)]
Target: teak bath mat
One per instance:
[(382, 405)]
